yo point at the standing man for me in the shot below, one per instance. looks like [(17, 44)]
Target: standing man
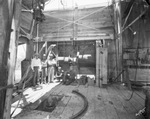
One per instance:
[(51, 63), (36, 67), (44, 69)]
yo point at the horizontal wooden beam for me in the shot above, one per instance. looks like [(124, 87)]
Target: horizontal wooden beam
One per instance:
[(80, 29), (79, 34), (78, 39)]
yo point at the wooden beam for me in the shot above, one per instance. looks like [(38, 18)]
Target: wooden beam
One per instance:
[(59, 35), (12, 55), (134, 21), (6, 18), (78, 39), (125, 21), (97, 65)]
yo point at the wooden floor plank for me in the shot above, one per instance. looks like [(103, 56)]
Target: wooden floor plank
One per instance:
[(89, 95), (84, 91), (117, 104), (69, 109), (127, 94), (138, 99), (131, 106), (110, 110), (100, 112), (91, 98), (141, 94), (126, 104)]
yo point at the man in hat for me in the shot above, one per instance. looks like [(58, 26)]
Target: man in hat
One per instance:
[(36, 67)]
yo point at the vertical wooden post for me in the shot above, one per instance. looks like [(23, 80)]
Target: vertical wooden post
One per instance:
[(103, 53), (120, 38), (5, 30), (12, 55), (97, 65)]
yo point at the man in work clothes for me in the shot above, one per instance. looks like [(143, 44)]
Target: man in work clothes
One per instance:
[(36, 67), (44, 69)]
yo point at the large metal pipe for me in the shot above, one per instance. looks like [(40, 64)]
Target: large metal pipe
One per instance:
[(86, 56)]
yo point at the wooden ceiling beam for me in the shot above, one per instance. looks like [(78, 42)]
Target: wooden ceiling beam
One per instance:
[(79, 39)]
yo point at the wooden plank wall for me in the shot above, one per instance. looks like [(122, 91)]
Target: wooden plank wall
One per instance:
[(139, 42), (89, 23), (92, 24)]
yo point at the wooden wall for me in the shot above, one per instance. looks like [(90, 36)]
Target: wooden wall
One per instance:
[(136, 46), (78, 27), (90, 24), (79, 24)]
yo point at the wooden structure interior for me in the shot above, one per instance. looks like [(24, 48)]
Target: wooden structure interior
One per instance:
[(109, 45)]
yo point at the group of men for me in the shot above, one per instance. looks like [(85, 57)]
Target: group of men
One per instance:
[(43, 69)]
